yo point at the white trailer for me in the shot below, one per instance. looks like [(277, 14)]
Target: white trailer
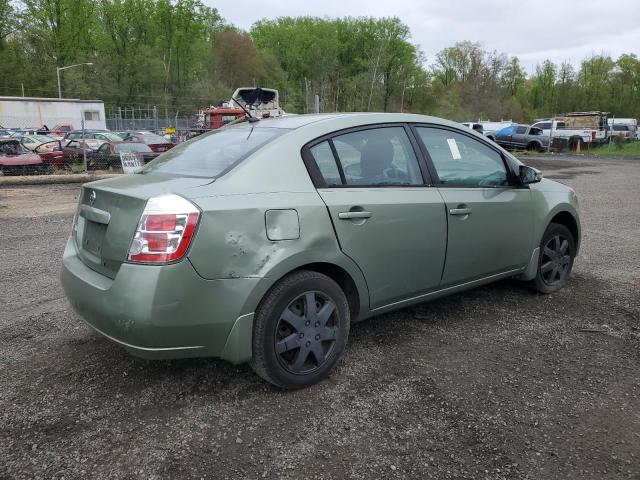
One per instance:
[(32, 112)]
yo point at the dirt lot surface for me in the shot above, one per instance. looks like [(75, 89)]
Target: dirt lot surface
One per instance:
[(497, 382)]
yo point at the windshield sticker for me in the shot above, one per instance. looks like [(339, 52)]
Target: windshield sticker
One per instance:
[(453, 147)]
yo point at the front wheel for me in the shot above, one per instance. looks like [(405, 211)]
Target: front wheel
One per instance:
[(300, 330), (557, 251)]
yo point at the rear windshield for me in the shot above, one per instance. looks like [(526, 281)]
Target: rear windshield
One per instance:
[(131, 147), (212, 154)]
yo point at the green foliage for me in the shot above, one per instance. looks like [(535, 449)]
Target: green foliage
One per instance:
[(180, 55), (628, 149)]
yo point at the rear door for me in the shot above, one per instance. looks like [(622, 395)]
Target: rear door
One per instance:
[(490, 227), (385, 216)]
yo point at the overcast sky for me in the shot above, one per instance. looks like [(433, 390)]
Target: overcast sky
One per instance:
[(534, 30)]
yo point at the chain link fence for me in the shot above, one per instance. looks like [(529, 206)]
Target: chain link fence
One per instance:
[(146, 119), (63, 146)]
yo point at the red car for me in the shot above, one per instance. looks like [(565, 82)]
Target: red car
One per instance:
[(15, 159), (49, 149), (155, 142)]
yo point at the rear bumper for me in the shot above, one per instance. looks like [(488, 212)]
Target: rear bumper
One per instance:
[(161, 311)]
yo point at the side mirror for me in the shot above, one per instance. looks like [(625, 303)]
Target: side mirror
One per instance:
[(529, 175)]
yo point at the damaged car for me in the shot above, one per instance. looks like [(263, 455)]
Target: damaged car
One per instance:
[(263, 242)]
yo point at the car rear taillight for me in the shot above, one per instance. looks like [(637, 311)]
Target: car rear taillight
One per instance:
[(165, 230)]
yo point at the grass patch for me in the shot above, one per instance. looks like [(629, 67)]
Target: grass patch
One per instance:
[(629, 149)]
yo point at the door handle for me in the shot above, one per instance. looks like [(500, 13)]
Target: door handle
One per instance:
[(352, 215), (460, 211)]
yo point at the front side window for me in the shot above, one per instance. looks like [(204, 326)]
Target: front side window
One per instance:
[(378, 156), (460, 160)]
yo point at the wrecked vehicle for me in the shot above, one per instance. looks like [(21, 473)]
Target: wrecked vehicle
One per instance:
[(263, 241), (16, 159)]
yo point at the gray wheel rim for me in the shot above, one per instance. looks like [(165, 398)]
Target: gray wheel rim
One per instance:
[(306, 332), (556, 260)]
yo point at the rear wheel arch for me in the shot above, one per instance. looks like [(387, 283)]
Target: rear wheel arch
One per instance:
[(339, 275)]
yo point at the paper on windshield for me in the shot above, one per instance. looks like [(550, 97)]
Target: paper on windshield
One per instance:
[(453, 147)]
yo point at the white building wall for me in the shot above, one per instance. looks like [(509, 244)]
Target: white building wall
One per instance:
[(25, 112)]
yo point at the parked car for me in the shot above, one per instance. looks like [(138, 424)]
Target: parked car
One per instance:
[(525, 137), (5, 132), (21, 132), (93, 138), (489, 129), (49, 149), (627, 128), (75, 151), (264, 241), (15, 159), (61, 129), (155, 142), (108, 154)]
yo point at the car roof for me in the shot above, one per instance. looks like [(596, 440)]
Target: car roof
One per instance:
[(354, 119)]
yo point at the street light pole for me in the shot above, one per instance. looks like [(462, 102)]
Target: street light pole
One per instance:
[(59, 69)]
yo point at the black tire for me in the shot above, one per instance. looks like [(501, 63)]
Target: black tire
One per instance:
[(286, 354), (556, 259), (534, 147)]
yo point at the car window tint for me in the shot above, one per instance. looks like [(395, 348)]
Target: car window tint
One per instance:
[(326, 163), (378, 156), (521, 129), (461, 160), (211, 154)]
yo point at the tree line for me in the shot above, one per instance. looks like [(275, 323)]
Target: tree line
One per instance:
[(182, 55)]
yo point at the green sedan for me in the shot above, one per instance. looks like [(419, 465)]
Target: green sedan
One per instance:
[(263, 241)]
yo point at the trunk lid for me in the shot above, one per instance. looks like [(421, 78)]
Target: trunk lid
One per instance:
[(109, 212)]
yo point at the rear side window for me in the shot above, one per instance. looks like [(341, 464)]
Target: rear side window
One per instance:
[(378, 156), (544, 125), (326, 162), (521, 129), (212, 154), (460, 160)]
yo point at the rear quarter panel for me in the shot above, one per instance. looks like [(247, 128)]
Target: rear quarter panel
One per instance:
[(232, 241)]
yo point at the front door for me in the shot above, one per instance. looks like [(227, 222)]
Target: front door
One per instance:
[(489, 220), (386, 219)]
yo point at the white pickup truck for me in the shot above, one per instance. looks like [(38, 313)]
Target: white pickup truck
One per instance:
[(574, 136)]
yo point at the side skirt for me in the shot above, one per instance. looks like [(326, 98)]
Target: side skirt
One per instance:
[(445, 291)]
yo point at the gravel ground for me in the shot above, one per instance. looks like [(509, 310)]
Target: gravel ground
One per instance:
[(497, 382)]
